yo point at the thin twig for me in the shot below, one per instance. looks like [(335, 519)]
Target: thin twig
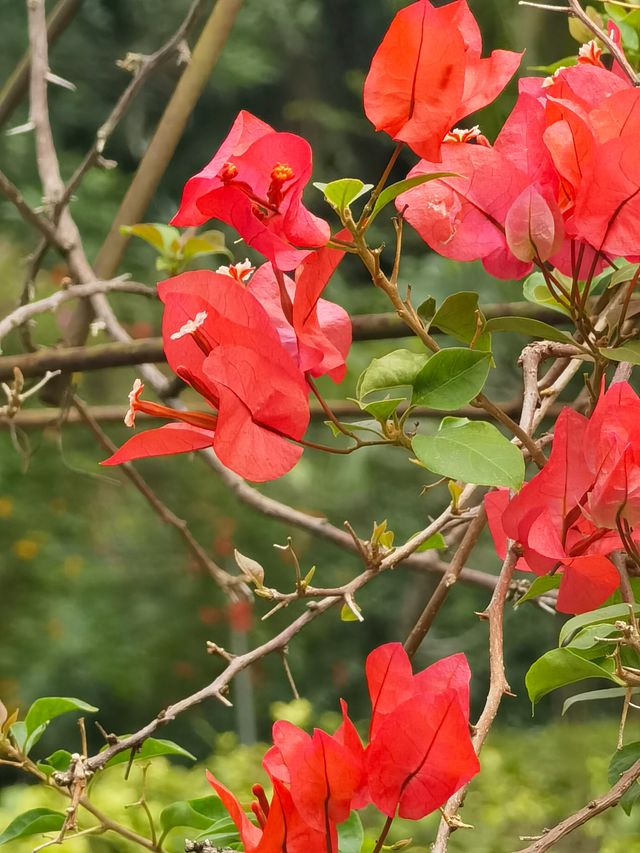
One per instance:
[(593, 808), (231, 585)]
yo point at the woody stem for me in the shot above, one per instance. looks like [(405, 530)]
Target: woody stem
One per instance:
[(383, 835)]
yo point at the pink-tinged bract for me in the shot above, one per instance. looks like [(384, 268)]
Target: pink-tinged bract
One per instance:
[(255, 183)]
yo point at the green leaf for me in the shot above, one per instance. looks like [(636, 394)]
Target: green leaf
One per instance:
[(351, 834), (594, 696), (567, 62), (19, 734), (394, 190), (399, 367), (594, 617), (197, 814), (151, 748), (59, 760), (426, 310), (591, 638), (620, 762), (434, 542), (207, 243), (539, 586), (451, 378), (625, 273), (382, 410), (458, 316), (627, 352), (351, 614), (46, 709), (559, 667), (33, 822), (342, 192), (528, 326), (222, 834), (536, 291), (164, 238), (471, 451)]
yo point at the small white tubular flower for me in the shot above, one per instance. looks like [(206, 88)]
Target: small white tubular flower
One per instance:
[(134, 394), (190, 326), (241, 271), (590, 53)]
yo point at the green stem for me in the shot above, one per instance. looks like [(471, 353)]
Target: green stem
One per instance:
[(379, 187)]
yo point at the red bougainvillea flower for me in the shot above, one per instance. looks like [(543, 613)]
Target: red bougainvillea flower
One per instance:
[(321, 773), (254, 183), (548, 516), (219, 339), (420, 751), (612, 451), (502, 209), (315, 332), (280, 826), (427, 74)]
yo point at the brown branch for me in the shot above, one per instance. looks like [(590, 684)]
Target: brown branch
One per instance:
[(595, 807), (365, 327), (231, 585), (16, 86), (51, 303), (498, 687), (618, 54), (448, 580), (30, 216), (42, 417)]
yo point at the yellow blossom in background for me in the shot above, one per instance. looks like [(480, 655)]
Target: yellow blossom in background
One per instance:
[(6, 507), (25, 549)]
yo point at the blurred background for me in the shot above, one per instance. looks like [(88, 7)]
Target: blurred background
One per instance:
[(99, 600)]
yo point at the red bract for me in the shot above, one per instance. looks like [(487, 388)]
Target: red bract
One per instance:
[(420, 752), (427, 74), (281, 826), (547, 518), (219, 339), (322, 774), (612, 451), (317, 333), (254, 183)]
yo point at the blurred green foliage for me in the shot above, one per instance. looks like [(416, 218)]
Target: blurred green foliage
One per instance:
[(98, 599), (522, 787)]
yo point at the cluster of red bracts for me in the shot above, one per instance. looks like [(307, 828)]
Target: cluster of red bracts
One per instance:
[(419, 753), (560, 184), (582, 506)]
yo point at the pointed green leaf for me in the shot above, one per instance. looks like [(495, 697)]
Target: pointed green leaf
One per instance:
[(528, 326), (567, 62), (434, 542), (59, 760), (595, 696), (207, 243), (399, 367), (164, 238), (151, 748), (33, 822), (621, 761), (560, 667), (458, 317), (471, 451), (625, 273), (451, 378), (591, 638), (536, 291), (382, 410), (341, 193), (46, 709), (629, 351), (351, 834), (539, 586), (197, 814), (612, 613), (426, 310), (391, 192)]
